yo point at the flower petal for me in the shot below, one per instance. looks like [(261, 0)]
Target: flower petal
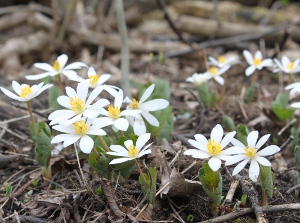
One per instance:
[(150, 118), (214, 163), (62, 59), (144, 153), (72, 139), (252, 139), (82, 90), (119, 149), (254, 170), (198, 145), (233, 150), (239, 167), (147, 93), (248, 56), (268, 151), (86, 144), (237, 143), (71, 92), (98, 132), (60, 138), (120, 160), (262, 141), (263, 161), (139, 127), (121, 124), (128, 143), (44, 66), (219, 79), (153, 105), (227, 139), (64, 101), (17, 87), (142, 140), (38, 76), (10, 94), (258, 55), (91, 71), (201, 139), (236, 159), (75, 66), (250, 70), (217, 133), (94, 94)]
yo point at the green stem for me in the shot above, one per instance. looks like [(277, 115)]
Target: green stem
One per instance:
[(32, 119), (224, 86), (60, 84), (253, 78), (264, 198), (139, 169), (103, 143), (122, 133), (96, 152), (47, 173), (291, 78)]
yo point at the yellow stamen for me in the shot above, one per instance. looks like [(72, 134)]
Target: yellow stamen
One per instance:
[(77, 105), (135, 104), (80, 128), (213, 70), (222, 59), (26, 90), (93, 79), (56, 66), (290, 65), (250, 152), (256, 61), (132, 151), (213, 147), (113, 112)]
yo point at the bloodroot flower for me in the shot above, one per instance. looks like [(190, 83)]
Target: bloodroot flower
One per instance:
[(131, 151), (24, 91), (212, 148), (251, 154), (287, 66), (256, 63)]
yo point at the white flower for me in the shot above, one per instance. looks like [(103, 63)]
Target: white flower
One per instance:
[(81, 130), (198, 79), (212, 148), (294, 87), (145, 107), (256, 63), (250, 153), (114, 113), (131, 151), (25, 92), (58, 67), (216, 73), (287, 66), (223, 60), (78, 104)]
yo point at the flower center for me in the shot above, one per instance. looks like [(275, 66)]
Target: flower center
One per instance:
[(222, 59), (250, 152), (80, 128), (214, 71), (26, 90), (56, 66), (113, 112), (93, 79), (290, 65), (77, 105), (256, 61), (213, 147), (132, 151), (135, 104)]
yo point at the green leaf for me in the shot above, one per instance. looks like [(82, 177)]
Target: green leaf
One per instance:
[(54, 93), (296, 182), (101, 165), (43, 145), (280, 107), (228, 123), (124, 169), (266, 178), (297, 155), (295, 134), (146, 185), (7, 189), (242, 134), (206, 96), (244, 199), (190, 218), (212, 183), (249, 94), (99, 190)]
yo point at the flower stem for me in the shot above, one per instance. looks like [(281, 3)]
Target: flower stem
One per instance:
[(96, 152), (291, 78), (253, 78), (264, 199), (31, 117), (224, 85), (139, 169), (47, 173), (60, 84), (122, 133), (103, 143)]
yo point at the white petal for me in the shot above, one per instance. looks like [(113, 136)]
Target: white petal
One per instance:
[(153, 105), (74, 119), (121, 124), (71, 140), (147, 93), (82, 90), (17, 87), (75, 66), (223, 70), (268, 151), (144, 153), (192, 152), (142, 140), (71, 92), (64, 101), (214, 163), (10, 94), (60, 138), (263, 161), (64, 129), (86, 144), (296, 105), (254, 170), (44, 66), (279, 65), (213, 61), (248, 56), (196, 144), (285, 60), (227, 139), (119, 149), (91, 71), (239, 167), (139, 127), (262, 141), (119, 99), (128, 143), (217, 133), (98, 132), (94, 94), (267, 63), (258, 54), (72, 75), (250, 70), (150, 118), (237, 143), (236, 159), (252, 138), (37, 76), (201, 139), (233, 150), (62, 59), (120, 160), (219, 79), (200, 154)]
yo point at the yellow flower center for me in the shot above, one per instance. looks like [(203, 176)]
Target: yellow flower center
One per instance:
[(290, 65), (256, 61), (56, 66), (114, 112), (94, 79), (80, 128), (77, 105), (132, 151), (222, 59), (250, 152), (213, 70), (26, 90), (134, 105), (213, 147)]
